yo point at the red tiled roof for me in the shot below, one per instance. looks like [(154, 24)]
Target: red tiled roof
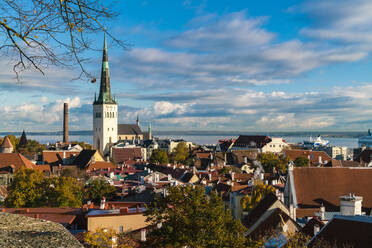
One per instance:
[(16, 159), (63, 216), (43, 168), (101, 165), (52, 157), (121, 155), (325, 185), (312, 155), (6, 143)]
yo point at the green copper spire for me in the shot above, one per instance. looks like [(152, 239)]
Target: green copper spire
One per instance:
[(105, 89)]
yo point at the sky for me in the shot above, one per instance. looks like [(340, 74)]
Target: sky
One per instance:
[(216, 65)]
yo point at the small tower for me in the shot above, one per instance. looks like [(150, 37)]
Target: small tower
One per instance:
[(105, 111), (138, 124), (6, 146), (23, 140)]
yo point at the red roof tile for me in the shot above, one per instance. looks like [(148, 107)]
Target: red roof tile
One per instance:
[(325, 185), (121, 155), (6, 143), (16, 159), (53, 157)]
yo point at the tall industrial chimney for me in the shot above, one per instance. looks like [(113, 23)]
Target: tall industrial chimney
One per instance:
[(65, 122)]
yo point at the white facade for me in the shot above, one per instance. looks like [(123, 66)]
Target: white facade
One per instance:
[(105, 126), (275, 146)]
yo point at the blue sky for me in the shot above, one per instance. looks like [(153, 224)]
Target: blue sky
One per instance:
[(217, 65)]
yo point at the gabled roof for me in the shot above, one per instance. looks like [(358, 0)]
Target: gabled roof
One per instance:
[(252, 141), (16, 159), (354, 231), (315, 186), (83, 159), (6, 143), (259, 210), (129, 129), (269, 223)]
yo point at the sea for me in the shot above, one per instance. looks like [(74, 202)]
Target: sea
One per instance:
[(348, 139)]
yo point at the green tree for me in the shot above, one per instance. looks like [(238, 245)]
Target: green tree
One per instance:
[(30, 188), (26, 189), (159, 156), (190, 218), (271, 161), (74, 172), (301, 162), (98, 188), (180, 153), (33, 147), (64, 192), (259, 192)]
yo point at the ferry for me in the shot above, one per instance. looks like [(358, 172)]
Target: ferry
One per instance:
[(365, 141), (319, 142)]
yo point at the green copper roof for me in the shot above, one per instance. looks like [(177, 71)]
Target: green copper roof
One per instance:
[(105, 96)]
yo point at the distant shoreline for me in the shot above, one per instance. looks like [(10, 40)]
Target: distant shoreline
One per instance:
[(330, 134)]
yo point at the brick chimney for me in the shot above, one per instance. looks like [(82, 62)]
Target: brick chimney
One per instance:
[(65, 122)]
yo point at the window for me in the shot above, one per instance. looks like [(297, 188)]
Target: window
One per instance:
[(108, 129), (121, 229), (98, 115)]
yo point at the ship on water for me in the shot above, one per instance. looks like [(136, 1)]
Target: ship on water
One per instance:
[(365, 141), (318, 142)]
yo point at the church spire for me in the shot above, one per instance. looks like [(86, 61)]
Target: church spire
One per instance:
[(105, 89)]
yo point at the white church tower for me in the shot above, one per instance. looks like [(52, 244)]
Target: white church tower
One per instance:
[(105, 112)]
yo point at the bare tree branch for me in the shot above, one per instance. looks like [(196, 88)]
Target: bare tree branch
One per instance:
[(53, 32)]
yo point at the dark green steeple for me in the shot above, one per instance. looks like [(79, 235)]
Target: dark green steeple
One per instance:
[(105, 89)]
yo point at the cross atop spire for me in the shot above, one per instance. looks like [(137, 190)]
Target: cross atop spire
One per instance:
[(105, 89)]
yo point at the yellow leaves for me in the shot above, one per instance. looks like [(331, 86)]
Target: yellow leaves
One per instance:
[(260, 191), (4, 20), (43, 26), (100, 238), (36, 37)]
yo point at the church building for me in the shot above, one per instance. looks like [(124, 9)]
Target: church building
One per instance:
[(105, 111)]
